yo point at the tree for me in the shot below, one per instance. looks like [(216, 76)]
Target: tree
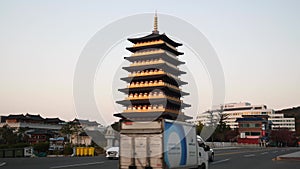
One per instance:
[(7, 136), (222, 130), (69, 129), (283, 137), (41, 147), (232, 135), (199, 128), (22, 136)]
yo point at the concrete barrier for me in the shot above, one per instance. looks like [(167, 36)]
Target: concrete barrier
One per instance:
[(229, 144)]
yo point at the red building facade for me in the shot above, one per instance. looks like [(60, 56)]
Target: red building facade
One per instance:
[(252, 129)]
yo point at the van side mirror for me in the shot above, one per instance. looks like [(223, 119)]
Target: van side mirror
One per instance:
[(206, 148)]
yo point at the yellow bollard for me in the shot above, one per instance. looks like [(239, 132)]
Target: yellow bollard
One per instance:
[(77, 151), (81, 151), (85, 151), (91, 151)]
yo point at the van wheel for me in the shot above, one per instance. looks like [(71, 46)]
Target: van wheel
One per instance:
[(202, 166), (211, 158)]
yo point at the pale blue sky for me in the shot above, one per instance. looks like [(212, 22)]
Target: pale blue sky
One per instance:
[(257, 43)]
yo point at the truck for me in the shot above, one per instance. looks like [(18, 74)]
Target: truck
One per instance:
[(160, 144)]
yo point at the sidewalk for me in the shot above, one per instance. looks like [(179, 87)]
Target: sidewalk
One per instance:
[(292, 156)]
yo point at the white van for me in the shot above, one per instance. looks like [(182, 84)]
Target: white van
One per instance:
[(162, 144)]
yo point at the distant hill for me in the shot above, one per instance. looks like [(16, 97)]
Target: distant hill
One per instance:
[(292, 112)]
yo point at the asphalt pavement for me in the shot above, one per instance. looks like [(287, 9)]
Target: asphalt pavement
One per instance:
[(253, 158), (59, 163), (229, 158)]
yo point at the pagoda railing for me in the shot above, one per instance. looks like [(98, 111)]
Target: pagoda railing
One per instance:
[(151, 72), (150, 109), (151, 96), (154, 83), (155, 42), (152, 62), (153, 51)]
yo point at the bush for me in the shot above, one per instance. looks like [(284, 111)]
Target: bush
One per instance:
[(68, 150), (41, 147), (18, 145), (99, 150)]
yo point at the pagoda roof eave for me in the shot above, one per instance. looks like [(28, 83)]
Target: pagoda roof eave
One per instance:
[(155, 36), (152, 116), (129, 79), (126, 90), (171, 69), (153, 100), (155, 46), (171, 60)]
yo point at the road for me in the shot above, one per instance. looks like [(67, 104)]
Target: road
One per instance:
[(59, 163), (252, 158), (236, 158)]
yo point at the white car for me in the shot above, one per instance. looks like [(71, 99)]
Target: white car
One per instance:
[(112, 153)]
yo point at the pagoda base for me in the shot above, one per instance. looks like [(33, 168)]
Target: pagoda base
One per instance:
[(152, 116)]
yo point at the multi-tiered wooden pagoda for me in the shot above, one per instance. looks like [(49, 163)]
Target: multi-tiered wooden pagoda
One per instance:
[(154, 84)]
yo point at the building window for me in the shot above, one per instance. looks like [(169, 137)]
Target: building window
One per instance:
[(252, 133), (244, 125), (255, 133)]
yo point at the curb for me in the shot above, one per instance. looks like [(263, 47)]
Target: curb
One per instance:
[(286, 158), (52, 156)]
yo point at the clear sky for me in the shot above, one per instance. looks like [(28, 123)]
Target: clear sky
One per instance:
[(257, 43)]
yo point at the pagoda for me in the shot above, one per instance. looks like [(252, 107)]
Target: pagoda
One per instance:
[(153, 90)]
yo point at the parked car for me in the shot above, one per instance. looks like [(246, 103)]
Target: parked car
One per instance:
[(112, 153)]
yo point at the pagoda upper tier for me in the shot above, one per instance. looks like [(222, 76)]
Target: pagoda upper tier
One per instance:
[(154, 87)]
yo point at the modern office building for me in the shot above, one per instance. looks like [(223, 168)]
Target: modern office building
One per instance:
[(293, 112), (232, 111), (279, 121), (208, 118), (154, 85)]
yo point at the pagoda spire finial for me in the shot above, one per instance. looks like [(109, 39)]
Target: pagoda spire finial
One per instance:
[(155, 30)]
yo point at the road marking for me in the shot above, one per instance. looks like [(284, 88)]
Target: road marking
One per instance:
[(249, 155), (239, 152), (220, 161), (264, 153), (2, 164), (76, 165)]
